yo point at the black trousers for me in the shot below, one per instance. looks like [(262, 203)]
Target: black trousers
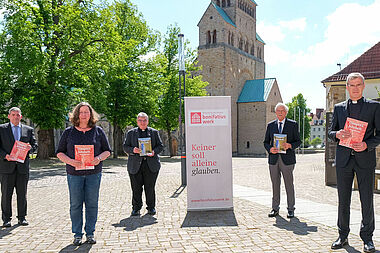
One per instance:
[(8, 183), (144, 177), (365, 177)]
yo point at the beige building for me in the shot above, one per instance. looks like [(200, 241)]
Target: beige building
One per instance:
[(232, 56)]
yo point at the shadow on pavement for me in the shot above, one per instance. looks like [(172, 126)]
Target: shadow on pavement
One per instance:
[(351, 249), (210, 219), (294, 225), (72, 248), (178, 191), (133, 222), (7, 231)]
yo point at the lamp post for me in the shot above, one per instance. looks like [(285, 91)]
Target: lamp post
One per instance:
[(182, 141)]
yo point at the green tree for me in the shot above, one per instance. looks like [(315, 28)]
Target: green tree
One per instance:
[(49, 46), (316, 141), (299, 112), (128, 83), (168, 113)]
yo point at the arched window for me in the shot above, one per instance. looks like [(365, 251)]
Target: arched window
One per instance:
[(228, 3), (208, 41), (246, 47), (248, 144), (214, 37), (252, 50), (232, 39), (223, 3), (241, 43), (218, 3), (229, 38)]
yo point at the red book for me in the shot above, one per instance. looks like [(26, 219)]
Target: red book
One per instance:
[(357, 129), (19, 151), (85, 153)]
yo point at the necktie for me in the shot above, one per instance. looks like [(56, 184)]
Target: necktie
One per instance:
[(16, 135), (280, 127)]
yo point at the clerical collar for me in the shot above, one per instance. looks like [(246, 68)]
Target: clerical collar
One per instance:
[(356, 101)]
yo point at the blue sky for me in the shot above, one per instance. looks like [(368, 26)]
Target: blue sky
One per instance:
[(305, 39)]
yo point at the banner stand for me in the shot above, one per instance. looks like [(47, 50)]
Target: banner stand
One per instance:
[(208, 153)]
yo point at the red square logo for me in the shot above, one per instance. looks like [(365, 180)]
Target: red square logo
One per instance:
[(196, 117)]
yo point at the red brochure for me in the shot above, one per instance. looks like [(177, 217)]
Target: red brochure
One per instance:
[(85, 153), (19, 151), (357, 129)]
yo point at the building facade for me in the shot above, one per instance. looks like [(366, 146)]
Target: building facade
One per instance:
[(318, 125), (232, 53)]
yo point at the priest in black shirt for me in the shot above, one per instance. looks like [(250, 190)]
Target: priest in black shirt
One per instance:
[(143, 169), (360, 160)]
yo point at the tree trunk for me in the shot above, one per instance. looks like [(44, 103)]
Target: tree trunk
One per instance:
[(44, 142), (51, 143), (117, 141), (171, 151)]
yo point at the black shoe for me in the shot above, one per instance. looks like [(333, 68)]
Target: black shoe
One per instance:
[(151, 211), (135, 213), (339, 243), (23, 222), (273, 213), (91, 239), (7, 224), (290, 214), (369, 247), (77, 241)]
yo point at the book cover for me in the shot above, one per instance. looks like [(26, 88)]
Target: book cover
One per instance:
[(145, 146), (85, 153), (357, 129), (19, 151), (278, 140)]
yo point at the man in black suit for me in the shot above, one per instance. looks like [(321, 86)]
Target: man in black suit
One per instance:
[(280, 163), (360, 160), (14, 174), (143, 170)]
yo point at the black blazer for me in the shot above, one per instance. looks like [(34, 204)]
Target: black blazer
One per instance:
[(293, 137), (134, 160), (370, 113), (6, 144)]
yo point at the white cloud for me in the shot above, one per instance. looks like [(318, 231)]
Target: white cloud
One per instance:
[(349, 26), (148, 56), (270, 33), (275, 55), (294, 25), (274, 34)]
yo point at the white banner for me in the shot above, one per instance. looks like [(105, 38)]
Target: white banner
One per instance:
[(208, 153)]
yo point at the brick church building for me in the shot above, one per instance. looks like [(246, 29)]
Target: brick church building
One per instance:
[(232, 56)]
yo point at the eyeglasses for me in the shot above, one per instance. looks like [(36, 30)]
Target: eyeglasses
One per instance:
[(355, 86), (142, 120)]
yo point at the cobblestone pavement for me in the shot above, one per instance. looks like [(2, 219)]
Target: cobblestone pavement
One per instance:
[(246, 229)]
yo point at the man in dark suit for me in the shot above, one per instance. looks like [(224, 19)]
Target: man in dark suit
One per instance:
[(14, 174), (282, 163), (360, 160), (143, 170)]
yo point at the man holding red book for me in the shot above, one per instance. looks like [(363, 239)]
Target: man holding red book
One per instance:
[(359, 160), (14, 174)]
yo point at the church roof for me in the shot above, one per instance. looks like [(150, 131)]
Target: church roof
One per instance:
[(229, 20), (223, 14), (256, 90), (259, 39), (253, 2), (368, 64)]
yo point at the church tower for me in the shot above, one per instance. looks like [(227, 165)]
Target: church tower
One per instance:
[(230, 51)]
